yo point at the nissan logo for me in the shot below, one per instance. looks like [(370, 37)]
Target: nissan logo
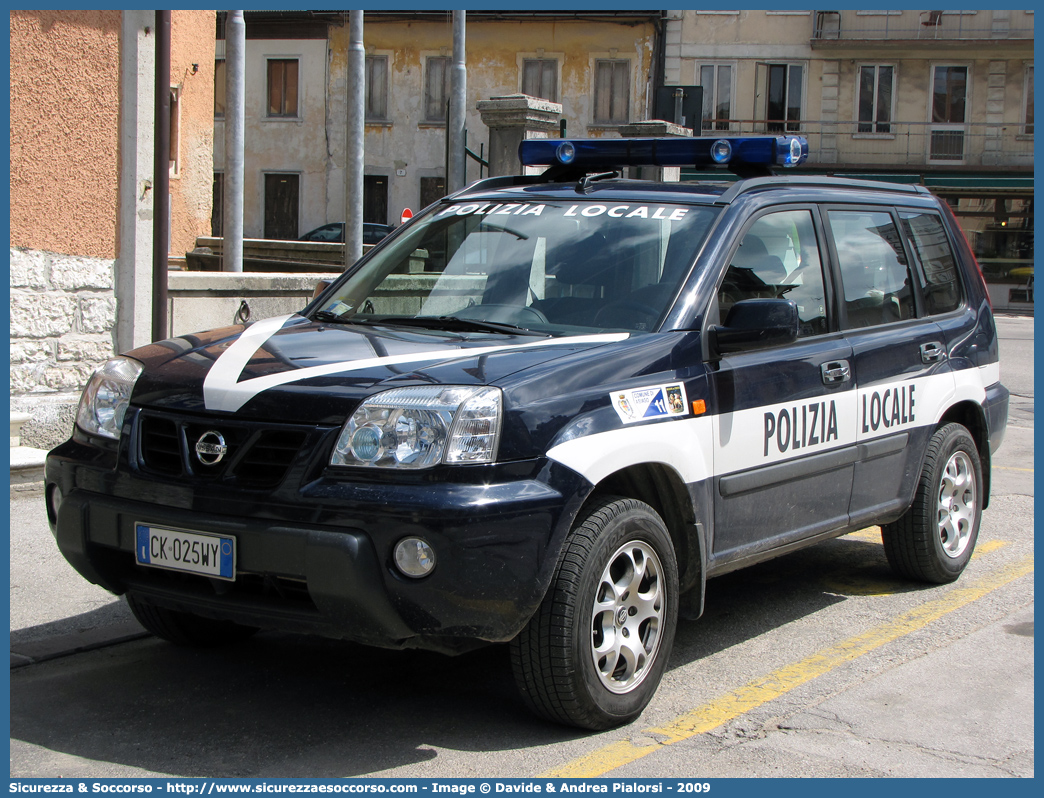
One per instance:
[(211, 448)]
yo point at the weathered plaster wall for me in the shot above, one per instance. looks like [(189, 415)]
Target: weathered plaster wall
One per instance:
[(64, 131), (494, 52)]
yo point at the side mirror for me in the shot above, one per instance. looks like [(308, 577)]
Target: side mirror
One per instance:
[(755, 324), (321, 286)]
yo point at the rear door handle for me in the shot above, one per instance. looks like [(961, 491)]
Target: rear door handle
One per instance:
[(932, 352), (836, 371)]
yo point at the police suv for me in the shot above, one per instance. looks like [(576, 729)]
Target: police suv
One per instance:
[(546, 411)]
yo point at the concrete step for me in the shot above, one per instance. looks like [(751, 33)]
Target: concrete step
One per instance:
[(27, 463)]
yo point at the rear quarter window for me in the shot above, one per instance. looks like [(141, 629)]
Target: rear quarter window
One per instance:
[(942, 289)]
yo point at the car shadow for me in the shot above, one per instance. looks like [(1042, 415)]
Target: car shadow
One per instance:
[(283, 705)]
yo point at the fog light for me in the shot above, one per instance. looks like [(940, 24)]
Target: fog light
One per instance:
[(54, 501), (414, 557)]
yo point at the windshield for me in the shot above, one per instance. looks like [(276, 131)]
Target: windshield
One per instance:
[(548, 268)]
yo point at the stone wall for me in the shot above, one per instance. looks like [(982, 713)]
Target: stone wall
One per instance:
[(63, 315)]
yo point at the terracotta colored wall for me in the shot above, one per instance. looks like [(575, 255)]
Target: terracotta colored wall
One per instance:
[(64, 131), (191, 190)]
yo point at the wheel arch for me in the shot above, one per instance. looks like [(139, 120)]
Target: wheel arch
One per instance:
[(971, 416), (663, 489)]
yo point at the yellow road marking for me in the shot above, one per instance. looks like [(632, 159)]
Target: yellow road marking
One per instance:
[(1012, 468), (988, 546), (766, 688)]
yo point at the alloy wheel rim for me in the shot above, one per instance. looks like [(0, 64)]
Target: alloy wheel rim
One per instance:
[(956, 505), (627, 617)]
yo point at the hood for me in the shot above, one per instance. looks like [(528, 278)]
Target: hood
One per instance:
[(289, 368)]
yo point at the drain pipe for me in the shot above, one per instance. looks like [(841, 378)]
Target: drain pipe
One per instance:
[(161, 180), (355, 132), (235, 119), (458, 164)]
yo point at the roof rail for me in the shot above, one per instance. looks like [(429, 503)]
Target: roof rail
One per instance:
[(754, 183), (499, 181)]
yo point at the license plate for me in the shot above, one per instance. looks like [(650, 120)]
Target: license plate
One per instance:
[(191, 552)]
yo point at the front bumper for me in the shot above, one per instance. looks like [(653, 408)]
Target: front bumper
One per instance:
[(323, 563)]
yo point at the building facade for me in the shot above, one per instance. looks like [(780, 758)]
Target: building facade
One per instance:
[(597, 65), (940, 98)]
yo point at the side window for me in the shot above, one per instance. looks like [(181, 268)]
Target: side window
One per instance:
[(779, 257), (942, 290), (874, 271)]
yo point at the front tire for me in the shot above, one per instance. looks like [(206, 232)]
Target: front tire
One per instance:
[(594, 653), (934, 540)]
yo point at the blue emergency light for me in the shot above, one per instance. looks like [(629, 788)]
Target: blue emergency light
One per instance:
[(754, 151)]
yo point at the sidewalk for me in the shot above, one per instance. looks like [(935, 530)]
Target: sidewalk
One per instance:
[(55, 611)]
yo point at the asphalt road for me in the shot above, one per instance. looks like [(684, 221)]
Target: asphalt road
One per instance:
[(816, 664)]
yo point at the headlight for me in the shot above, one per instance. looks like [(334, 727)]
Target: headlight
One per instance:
[(105, 399), (421, 427)]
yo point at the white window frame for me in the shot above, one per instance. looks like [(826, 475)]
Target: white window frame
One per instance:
[(300, 88), (558, 58), (221, 117), (387, 56), (947, 126), (426, 58), (804, 93), (873, 134), (175, 132), (631, 88), (1027, 94), (734, 67)]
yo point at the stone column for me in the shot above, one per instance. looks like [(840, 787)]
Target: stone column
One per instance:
[(512, 119), (655, 128)]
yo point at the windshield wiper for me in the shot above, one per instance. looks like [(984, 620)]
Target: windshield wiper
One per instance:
[(454, 323), (326, 315)]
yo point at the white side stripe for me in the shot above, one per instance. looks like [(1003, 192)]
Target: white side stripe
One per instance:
[(699, 448), (684, 445), (990, 373), (222, 389)]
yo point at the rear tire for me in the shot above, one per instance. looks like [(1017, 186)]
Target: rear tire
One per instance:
[(594, 653), (186, 629), (934, 540)]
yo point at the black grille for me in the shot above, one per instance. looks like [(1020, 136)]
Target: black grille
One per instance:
[(255, 457), (161, 445)]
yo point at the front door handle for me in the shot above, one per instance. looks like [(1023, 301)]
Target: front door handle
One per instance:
[(932, 352), (836, 371)]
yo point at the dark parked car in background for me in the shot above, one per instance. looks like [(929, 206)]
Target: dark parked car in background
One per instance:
[(334, 233)]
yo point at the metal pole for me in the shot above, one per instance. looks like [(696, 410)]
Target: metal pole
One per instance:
[(355, 132), (457, 177), (161, 180), (235, 120)]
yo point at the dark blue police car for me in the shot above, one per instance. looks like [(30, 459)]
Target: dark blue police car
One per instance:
[(545, 412)]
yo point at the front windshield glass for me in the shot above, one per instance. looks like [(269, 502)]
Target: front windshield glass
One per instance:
[(549, 268)]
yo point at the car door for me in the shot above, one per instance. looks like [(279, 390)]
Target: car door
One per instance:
[(899, 356), (784, 422)]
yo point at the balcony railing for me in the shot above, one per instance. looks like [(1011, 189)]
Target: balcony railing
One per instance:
[(882, 145), (917, 25)]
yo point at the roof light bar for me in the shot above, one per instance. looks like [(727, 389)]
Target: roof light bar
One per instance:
[(603, 153)]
